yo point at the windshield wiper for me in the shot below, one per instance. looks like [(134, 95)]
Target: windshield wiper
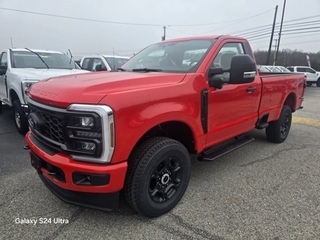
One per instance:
[(121, 69), (146, 70), (39, 57), (71, 57)]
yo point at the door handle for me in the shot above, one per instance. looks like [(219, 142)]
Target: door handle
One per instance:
[(251, 89)]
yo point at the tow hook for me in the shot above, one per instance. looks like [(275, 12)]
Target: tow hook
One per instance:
[(26, 147)]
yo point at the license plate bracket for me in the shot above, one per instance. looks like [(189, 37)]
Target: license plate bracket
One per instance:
[(36, 162)]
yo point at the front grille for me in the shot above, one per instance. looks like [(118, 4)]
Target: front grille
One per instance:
[(54, 123)]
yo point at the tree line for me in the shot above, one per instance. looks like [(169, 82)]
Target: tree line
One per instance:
[(287, 57)]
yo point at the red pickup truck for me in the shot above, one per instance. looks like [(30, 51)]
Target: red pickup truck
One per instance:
[(95, 135)]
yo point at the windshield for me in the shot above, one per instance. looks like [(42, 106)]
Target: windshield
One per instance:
[(23, 59), (179, 56), (115, 62)]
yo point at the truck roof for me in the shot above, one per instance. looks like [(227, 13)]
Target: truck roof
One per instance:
[(107, 56), (35, 50), (203, 37)]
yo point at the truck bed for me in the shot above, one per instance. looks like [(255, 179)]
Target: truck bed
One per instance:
[(275, 88)]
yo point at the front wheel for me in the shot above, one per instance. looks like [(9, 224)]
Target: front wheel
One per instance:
[(158, 176), (0, 107), (20, 118), (309, 84), (278, 130), (318, 82)]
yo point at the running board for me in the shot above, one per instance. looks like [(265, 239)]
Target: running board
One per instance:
[(213, 153)]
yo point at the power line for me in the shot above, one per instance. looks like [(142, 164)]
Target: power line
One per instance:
[(82, 19), (125, 23), (207, 24), (269, 25)]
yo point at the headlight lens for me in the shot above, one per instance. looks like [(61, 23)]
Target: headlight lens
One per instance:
[(25, 85), (86, 121), (90, 133)]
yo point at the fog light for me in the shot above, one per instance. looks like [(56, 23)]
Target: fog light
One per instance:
[(88, 146)]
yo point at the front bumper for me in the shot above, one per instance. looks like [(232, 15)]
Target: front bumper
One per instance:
[(85, 184)]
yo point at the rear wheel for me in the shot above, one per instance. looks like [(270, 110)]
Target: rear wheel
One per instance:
[(318, 82), (20, 118), (278, 130), (158, 176)]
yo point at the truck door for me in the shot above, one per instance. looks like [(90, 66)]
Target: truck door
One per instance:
[(311, 75), (233, 109), (3, 76)]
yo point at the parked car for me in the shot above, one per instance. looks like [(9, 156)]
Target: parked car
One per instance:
[(271, 68), (313, 76), (134, 131), (20, 68), (102, 62)]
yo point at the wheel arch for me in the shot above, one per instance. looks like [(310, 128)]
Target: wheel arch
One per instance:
[(291, 101), (13, 95), (180, 129), (177, 130)]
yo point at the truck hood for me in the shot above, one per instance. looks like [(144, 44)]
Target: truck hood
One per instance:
[(92, 87), (40, 74)]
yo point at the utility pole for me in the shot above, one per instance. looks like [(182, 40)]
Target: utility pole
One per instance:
[(272, 33), (284, 7), (164, 33), (275, 52), (11, 42)]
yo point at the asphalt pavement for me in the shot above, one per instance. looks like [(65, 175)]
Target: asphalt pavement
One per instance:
[(260, 191)]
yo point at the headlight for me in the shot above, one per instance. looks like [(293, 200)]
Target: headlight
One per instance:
[(90, 133), (25, 85), (85, 121)]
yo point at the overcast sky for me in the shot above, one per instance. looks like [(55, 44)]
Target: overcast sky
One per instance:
[(124, 27)]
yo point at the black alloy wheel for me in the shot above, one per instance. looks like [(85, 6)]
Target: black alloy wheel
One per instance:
[(278, 130), (157, 177)]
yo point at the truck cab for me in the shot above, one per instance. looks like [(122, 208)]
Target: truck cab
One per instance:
[(20, 68)]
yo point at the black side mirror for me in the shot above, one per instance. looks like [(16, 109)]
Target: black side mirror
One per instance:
[(242, 69), (3, 70), (98, 67), (214, 81)]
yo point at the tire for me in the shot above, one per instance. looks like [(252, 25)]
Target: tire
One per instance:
[(278, 130), (158, 175), (309, 84), (318, 82), (20, 118), (0, 107)]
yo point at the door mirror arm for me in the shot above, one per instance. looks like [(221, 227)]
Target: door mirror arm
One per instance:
[(216, 81)]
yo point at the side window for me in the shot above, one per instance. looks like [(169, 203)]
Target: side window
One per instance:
[(309, 70), (85, 63), (223, 59), (290, 69), (96, 62), (4, 60), (301, 70)]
